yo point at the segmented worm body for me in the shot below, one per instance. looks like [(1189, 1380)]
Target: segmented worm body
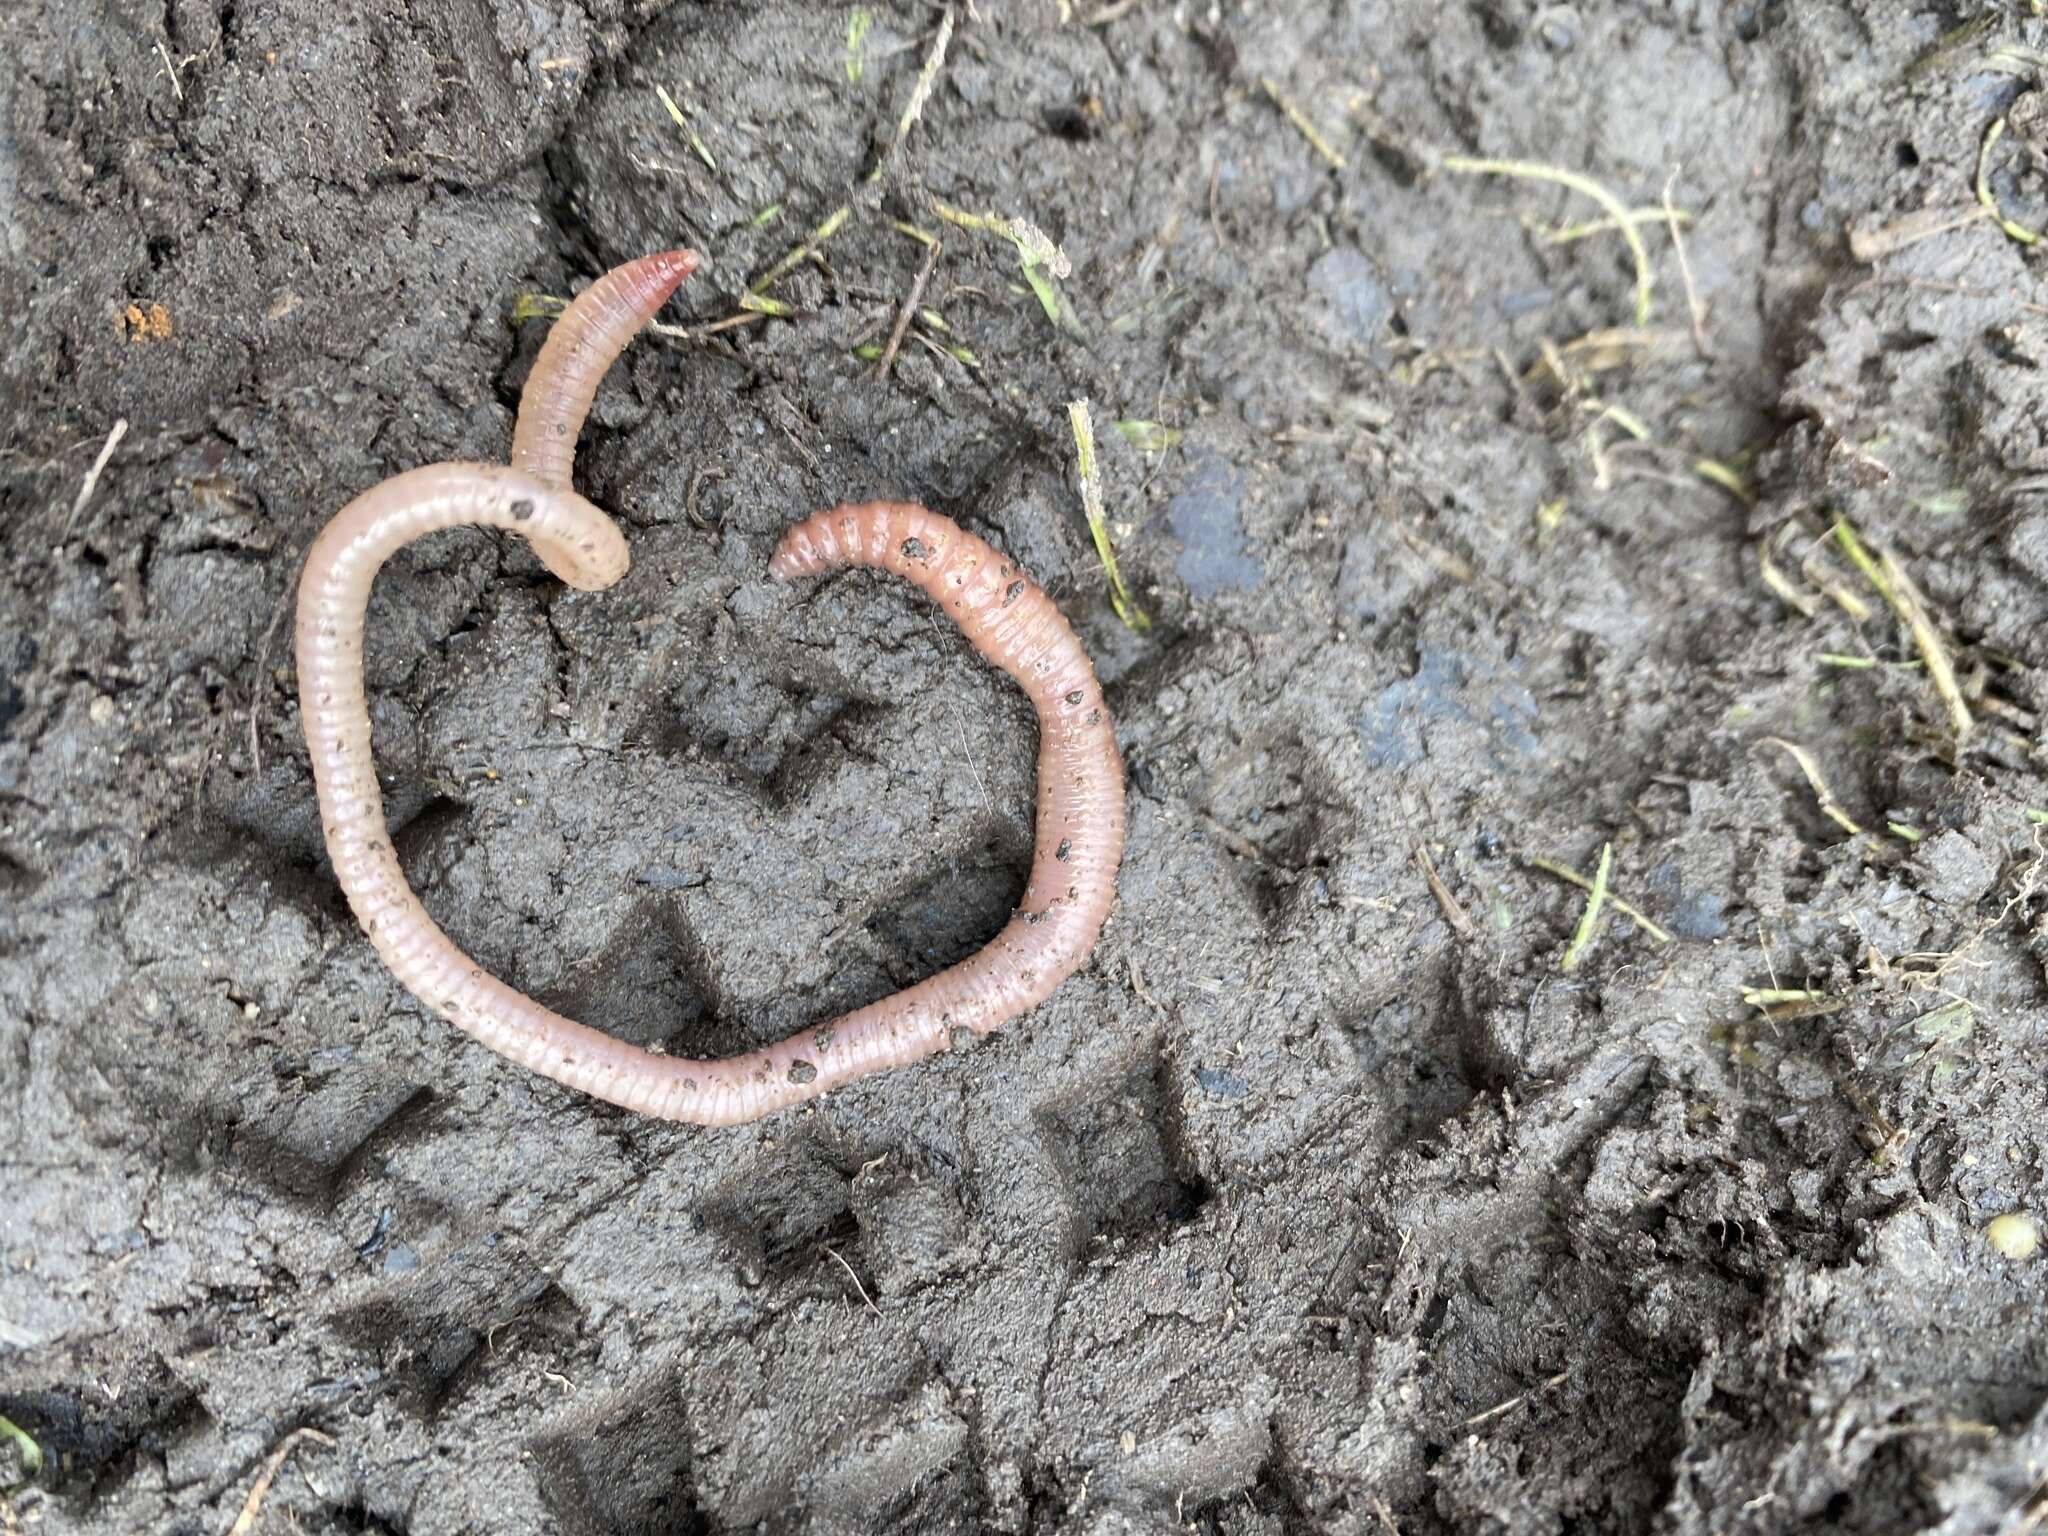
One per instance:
[(1080, 817)]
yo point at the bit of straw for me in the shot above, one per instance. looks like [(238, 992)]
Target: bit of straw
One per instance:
[(1039, 258), (1830, 807), (1535, 171), (866, 1300), (802, 251), (1620, 415), (1785, 1005), (1781, 584), (1571, 876), (545, 306), (260, 1490), (1303, 126), (1147, 436), (1098, 524), (921, 92), (683, 124), (1453, 910), (1897, 589), (536, 306), (1765, 997), (857, 24), (1725, 476), (2014, 230), (1693, 307), (1871, 243), (92, 475), (1589, 921), (1567, 234), (170, 69), (1862, 663)]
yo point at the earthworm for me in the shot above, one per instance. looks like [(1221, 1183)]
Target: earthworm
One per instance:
[(1080, 813)]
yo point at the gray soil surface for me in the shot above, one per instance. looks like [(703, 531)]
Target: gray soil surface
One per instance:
[(1317, 1201)]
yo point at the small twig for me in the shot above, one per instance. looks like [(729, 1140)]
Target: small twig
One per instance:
[(908, 311), (253, 1505), (1571, 876), (1830, 807), (855, 1279), (1589, 920), (1692, 298), (1454, 913), (92, 476), (1535, 171)]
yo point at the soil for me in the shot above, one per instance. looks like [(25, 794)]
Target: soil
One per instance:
[(1319, 1200)]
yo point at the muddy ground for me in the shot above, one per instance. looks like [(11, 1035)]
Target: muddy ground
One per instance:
[(1316, 1201)]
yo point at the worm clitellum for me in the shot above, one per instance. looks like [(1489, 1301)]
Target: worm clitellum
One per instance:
[(1080, 819)]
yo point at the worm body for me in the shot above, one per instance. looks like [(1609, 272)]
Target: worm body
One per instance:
[(1080, 817), (590, 334)]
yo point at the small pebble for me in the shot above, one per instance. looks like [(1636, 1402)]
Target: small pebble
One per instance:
[(101, 709), (2015, 1235)]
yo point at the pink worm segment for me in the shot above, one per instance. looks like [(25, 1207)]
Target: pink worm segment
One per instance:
[(1080, 823), (580, 347)]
